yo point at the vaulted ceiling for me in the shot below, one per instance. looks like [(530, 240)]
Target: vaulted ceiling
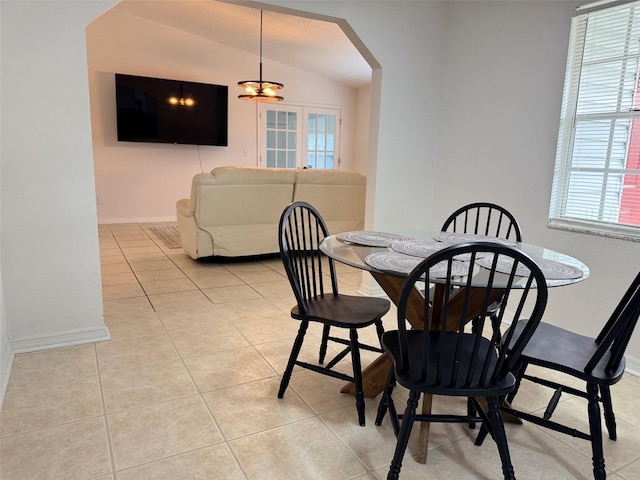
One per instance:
[(318, 46)]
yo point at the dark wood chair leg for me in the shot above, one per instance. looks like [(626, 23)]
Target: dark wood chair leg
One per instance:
[(471, 412), (379, 329), (323, 344), (607, 406), (357, 375), (386, 397), (500, 437), (403, 435), (295, 351), (482, 434), (595, 429)]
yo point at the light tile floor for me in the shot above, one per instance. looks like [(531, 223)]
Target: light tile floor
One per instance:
[(186, 389)]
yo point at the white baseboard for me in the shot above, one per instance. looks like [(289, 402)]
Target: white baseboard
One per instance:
[(7, 363), (60, 339), (106, 221), (633, 366)]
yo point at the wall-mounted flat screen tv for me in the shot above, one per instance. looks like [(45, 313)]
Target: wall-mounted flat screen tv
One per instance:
[(156, 110)]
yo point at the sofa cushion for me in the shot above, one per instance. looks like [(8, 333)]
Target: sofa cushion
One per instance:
[(338, 195), (240, 175), (242, 196)]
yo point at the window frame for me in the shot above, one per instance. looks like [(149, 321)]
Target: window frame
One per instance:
[(568, 164)]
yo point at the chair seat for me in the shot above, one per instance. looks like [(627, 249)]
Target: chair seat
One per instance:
[(345, 311), (413, 380), (559, 349)]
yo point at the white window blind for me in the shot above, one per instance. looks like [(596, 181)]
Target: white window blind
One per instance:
[(596, 186)]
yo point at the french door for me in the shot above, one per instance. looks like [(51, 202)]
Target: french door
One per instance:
[(294, 136)]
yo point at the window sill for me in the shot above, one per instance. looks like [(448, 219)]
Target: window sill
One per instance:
[(620, 232)]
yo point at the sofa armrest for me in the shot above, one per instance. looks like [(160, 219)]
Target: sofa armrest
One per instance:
[(183, 206)]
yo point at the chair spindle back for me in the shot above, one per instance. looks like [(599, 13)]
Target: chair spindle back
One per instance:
[(484, 219), (302, 230), (615, 335)]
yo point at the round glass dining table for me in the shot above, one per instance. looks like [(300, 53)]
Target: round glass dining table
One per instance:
[(384, 255), (559, 268)]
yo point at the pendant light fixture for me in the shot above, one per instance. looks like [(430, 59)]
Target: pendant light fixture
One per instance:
[(260, 90)]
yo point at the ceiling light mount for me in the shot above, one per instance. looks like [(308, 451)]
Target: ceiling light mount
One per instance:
[(260, 90)]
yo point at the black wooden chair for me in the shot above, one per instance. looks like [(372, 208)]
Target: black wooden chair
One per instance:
[(449, 357), (597, 361), (488, 219), (484, 218), (315, 285)]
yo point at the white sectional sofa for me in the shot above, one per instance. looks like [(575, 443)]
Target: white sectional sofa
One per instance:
[(234, 211)]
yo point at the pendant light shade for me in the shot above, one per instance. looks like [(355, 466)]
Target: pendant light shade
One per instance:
[(260, 90)]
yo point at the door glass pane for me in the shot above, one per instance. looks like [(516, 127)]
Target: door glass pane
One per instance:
[(331, 123), (311, 159), (271, 158), (281, 130), (271, 119), (329, 163), (291, 159), (271, 139)]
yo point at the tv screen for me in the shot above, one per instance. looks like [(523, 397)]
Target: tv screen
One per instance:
[(170, 111)]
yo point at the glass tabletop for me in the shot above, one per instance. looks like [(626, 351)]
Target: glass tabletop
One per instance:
[(559, 268)]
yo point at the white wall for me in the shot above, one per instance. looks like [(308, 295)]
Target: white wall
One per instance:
[(410, 53), (142, 181), (6, 353), (501, 108), (49, 258), (362, 128)]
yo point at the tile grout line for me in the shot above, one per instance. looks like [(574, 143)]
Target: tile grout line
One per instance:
[(104, 411)]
